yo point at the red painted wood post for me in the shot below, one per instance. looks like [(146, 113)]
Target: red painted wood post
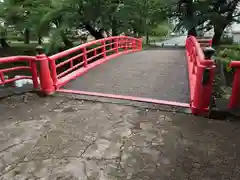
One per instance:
[(120, 42), (140, 44), (134, 47), (34, 74), (126, 44), (116, 44), (46, 82), (104, 49), (235, 98), (85, 57), (204, 84)]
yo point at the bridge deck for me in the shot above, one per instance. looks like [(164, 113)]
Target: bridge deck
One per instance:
[(158, 74)]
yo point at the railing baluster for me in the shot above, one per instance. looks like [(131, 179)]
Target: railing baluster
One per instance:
[(104, 48), (2, 77), (116, 45), (126, 44), (95, 52), (85, 57)]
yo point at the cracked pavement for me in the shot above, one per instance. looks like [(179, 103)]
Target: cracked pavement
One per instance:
[(64, 138)]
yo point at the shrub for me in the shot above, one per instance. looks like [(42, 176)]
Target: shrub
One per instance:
[(231, 53), (161, 30), (226, 40), (15, 38), (228, 53)]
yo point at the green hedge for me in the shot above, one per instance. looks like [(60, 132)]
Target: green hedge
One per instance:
[(229, 46), (20, 38), (231, 52), (15, 38), (227, 53), (226, 40), (161, 30)]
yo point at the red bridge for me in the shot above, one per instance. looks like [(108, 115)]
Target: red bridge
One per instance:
[(117, 67)]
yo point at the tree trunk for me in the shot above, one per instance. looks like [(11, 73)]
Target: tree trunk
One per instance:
[(26, 36), (66, 41), (190, 16), (217, 35), (96, 34), (147, 38), (4, 43), (108, 34), (114, 27), (39, 40), (192, 32), (135, 32)]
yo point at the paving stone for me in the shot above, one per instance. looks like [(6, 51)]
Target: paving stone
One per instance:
[(104, 141)]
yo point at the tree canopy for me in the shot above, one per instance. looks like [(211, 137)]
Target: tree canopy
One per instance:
[(205, 15), (59, 17)]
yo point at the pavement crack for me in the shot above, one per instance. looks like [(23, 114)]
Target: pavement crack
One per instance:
[(58, 105), (88, 146), (16, 144), (121, 149)]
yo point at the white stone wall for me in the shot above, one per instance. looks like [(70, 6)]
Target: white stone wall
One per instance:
[(236, 38)]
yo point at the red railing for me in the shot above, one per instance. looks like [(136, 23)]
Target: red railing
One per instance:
[(73, 62), (201, 75), (29, 64), (56, 70), (205, 42), (235, 97)]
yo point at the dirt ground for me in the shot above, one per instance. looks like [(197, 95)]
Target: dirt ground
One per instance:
[(63, 138)]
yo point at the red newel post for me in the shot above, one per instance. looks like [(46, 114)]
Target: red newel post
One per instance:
[(46, 82), (235, 98), (204, 84), (140, 44)]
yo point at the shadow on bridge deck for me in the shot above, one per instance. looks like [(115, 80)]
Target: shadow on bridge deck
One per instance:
[(157, 74)]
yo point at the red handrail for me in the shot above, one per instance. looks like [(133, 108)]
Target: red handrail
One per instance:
[(205, 42), (192, 42), (30, 67), (51, 78), (235, 64), (198, 66), (81, 62)]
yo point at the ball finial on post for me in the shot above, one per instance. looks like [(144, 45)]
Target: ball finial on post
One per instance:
[(208, 52)]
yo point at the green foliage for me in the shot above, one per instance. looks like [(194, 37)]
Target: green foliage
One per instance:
[(161, 30), (15, 38), (226, 40), (228, 53), (205, 15), (59, 19)]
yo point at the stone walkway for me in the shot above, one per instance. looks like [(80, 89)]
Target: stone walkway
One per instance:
[(157, 74), (65, 138)]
